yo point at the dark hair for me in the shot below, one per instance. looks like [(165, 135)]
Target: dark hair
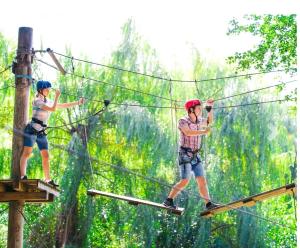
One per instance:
[(190, 109), (40, 91)]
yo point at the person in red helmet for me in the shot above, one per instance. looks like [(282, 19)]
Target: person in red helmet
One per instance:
[(191, 128)]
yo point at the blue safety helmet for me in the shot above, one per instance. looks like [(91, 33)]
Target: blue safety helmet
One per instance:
[(43, 85)]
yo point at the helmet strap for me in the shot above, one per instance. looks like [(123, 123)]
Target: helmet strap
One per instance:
[(192, 110)]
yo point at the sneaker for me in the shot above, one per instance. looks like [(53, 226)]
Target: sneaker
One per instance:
[(169, 203), (211, 205), (51, 182), (24, 177)]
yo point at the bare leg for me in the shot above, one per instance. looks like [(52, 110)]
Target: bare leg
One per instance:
[(27, 150), (202, 186), (178, 187), (46, 164)]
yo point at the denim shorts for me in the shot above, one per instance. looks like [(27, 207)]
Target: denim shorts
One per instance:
[(190, 164), (30, 137)]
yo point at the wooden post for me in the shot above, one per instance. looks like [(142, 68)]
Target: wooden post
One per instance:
[(22, 83), (55, 60)]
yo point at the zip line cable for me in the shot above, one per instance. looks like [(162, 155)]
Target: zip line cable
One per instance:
[(164, 78), (169, 107), (107, 83), (259, 89)]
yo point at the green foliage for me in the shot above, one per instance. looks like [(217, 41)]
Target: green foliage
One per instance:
[(277, 45), (250, 150)]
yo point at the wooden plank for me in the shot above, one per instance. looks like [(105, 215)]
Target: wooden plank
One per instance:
[(2, 187), (18, 186), (17, 196), (6, 185), (31, 182), (22, 185), (50, 199), (12, 185), (38, 202), (250, 201), (134, 201), (272, 194), (55, 60), (30, 190), (29, 185), (47, 187), (15, 183), (6, 181)]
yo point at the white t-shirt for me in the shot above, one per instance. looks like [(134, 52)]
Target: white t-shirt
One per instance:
[(39, 113)]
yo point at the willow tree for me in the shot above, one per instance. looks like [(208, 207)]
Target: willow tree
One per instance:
[(251, 149)]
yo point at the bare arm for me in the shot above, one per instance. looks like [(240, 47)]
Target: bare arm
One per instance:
[(53, 108), (210, 115), (70, 104), (67, 104)]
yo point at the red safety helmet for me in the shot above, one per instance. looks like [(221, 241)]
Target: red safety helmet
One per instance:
[(192, 103)]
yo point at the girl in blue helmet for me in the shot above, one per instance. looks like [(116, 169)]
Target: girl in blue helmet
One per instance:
[(35, 130)]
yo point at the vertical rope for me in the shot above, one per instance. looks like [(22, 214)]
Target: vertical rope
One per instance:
[(198, 90), (171, 109), (205, 151), (88, 153), (176, 131), (172, 118), (81, 110), (86, 137), (295, 208)]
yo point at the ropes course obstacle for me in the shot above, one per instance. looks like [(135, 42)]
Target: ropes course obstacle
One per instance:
[(134, 201), (251, 200)]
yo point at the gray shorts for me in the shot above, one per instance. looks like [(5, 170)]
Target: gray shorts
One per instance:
[(188, 164), (30, 137)]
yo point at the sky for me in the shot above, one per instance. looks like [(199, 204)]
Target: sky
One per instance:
[(93, 28)]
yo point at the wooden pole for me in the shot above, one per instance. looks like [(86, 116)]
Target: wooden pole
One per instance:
[(22, 82), (55, 60)]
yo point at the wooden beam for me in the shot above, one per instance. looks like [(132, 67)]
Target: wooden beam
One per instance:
[(17, 196), (29, 184), (40, 201), (18, 185), (251, 201), (47, 187), (134, 201), (28, 190), (2, 187), (55, 60), (7, 181)]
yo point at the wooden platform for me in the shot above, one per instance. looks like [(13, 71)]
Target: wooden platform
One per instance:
[(31, 190), (251, 200), (134, 201)]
